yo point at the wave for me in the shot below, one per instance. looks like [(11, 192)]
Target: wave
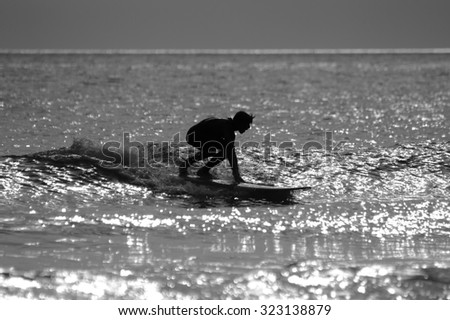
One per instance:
[(408, 171)]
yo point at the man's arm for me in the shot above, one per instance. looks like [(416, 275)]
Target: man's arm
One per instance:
[(231, 156)]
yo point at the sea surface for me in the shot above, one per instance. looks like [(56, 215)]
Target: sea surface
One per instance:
[(91, 206)]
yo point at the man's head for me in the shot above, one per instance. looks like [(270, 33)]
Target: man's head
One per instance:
[(242, 121)]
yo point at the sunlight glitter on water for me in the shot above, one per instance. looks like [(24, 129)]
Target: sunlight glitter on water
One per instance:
[(374, 225)]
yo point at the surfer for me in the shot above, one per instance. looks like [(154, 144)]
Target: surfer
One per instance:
[(214, 138)]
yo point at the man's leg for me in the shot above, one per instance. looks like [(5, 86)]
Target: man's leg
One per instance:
[(216, 159), (209, 149), (183, 169)]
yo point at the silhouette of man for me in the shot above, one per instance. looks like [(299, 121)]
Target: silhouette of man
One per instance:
[(215, 139)]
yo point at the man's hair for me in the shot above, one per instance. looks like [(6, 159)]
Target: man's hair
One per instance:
[(242, 116)]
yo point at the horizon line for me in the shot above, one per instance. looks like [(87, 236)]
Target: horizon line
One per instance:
[(229, 51)]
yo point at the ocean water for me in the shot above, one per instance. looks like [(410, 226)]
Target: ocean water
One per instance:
[(368, 132)]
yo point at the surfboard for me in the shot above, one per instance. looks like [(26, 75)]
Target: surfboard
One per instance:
[(244, 187)]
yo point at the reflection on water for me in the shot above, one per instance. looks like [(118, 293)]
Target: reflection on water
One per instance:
[(142, 264), (375, 224)]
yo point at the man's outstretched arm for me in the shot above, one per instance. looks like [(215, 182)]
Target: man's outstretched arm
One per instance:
[(231, 156)]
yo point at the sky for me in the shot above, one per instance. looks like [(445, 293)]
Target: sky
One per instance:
[(224, 24)]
